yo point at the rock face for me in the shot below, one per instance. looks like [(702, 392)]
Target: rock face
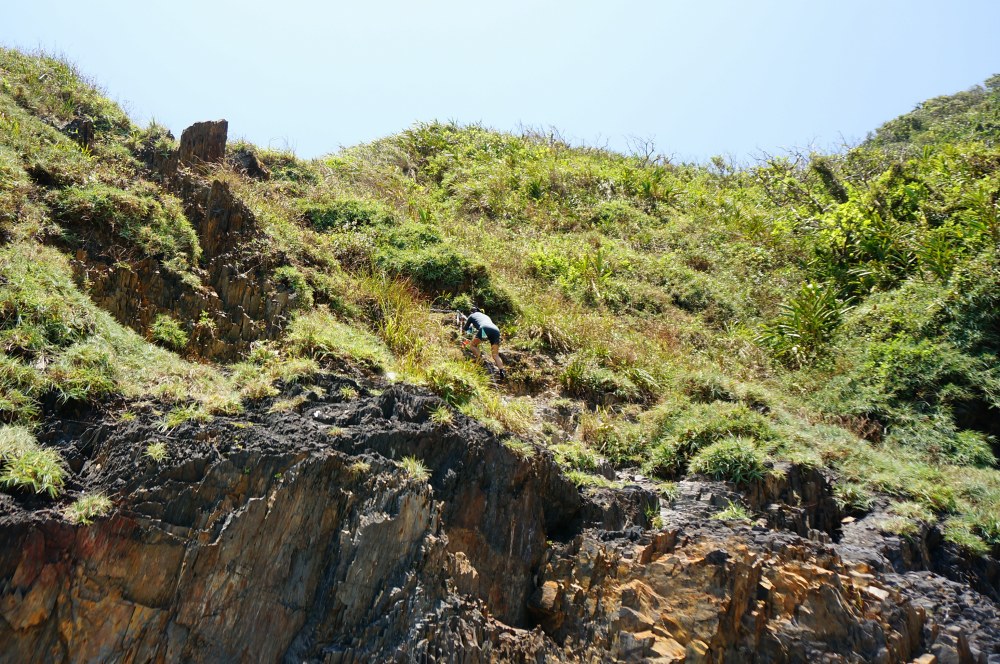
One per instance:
[(295, 536), (236, 302), (203, 143)]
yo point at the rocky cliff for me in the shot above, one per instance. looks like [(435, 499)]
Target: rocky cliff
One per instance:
[(296, 536), (236, 301)]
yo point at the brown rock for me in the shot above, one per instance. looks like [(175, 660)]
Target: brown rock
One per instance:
[(203, 143)]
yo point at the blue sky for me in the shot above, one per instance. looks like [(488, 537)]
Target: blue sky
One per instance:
[(700, 78)]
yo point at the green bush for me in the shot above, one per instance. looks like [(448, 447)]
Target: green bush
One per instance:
[(806, 323), (705, 424), (585, 376), (735, 460), (619, 219), (168, 331), (416, 252), (345, 215), (665, 460)]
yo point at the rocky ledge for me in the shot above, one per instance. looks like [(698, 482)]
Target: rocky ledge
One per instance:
[(296, 535)]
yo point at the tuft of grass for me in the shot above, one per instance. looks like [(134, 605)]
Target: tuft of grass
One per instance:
[(168, 331), (157, 451), (441, 415), (734, 512), (348, 393), (583, 479), (526, 451), (38, 469), (87, 508), (899, 525), (181, 414), (415, 469), (359, 468), (735, 460), (288, 405), (667, 490)]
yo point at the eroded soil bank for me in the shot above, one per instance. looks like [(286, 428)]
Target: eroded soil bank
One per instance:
[(296, 536)]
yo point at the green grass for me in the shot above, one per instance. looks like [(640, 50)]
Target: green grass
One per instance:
[(87, 508), (734, 512), (415, 469), (169, 332), (156, 451), (735, 460), (25, 465), (834, 310)]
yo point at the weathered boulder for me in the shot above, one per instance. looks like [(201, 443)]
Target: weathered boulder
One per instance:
[(203, 143), (245, 160)]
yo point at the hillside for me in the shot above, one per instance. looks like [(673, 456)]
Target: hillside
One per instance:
[(807, 344)]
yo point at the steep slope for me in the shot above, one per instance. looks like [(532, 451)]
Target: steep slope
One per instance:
[(752, 411)]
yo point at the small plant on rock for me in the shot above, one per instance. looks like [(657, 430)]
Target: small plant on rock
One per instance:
[(441, 415), (359, 468), (415, 469), (88, 507), (156, 451), (168, 332), (733, 459), (733, 512)]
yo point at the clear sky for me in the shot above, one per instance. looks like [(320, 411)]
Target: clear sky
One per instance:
[(732, 77)]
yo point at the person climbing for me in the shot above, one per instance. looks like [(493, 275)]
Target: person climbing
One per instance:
[(480, 326)]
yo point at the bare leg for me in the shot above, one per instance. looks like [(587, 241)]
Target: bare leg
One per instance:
[(496, 356), (478, 354)]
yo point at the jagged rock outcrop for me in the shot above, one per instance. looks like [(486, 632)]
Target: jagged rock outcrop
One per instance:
[(237, 300), (245, 160), (203, 143), (294, 536)]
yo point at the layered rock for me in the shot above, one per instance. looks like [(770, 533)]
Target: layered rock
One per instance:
[(233, 300), (294, 536)]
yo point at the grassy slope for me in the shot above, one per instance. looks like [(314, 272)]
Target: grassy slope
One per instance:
[(835, 310)]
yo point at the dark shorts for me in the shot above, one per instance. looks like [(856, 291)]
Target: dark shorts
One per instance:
[(492, 334)]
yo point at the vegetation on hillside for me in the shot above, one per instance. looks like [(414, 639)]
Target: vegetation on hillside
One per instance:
[(836, 310)]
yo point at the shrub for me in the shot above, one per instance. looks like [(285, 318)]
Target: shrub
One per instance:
[(345, 215), (805, 324), (619, 219), (665, 460), (735, 460), (168, 332), (705, 424), (586, 377), (456, 382), (416, 252)]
